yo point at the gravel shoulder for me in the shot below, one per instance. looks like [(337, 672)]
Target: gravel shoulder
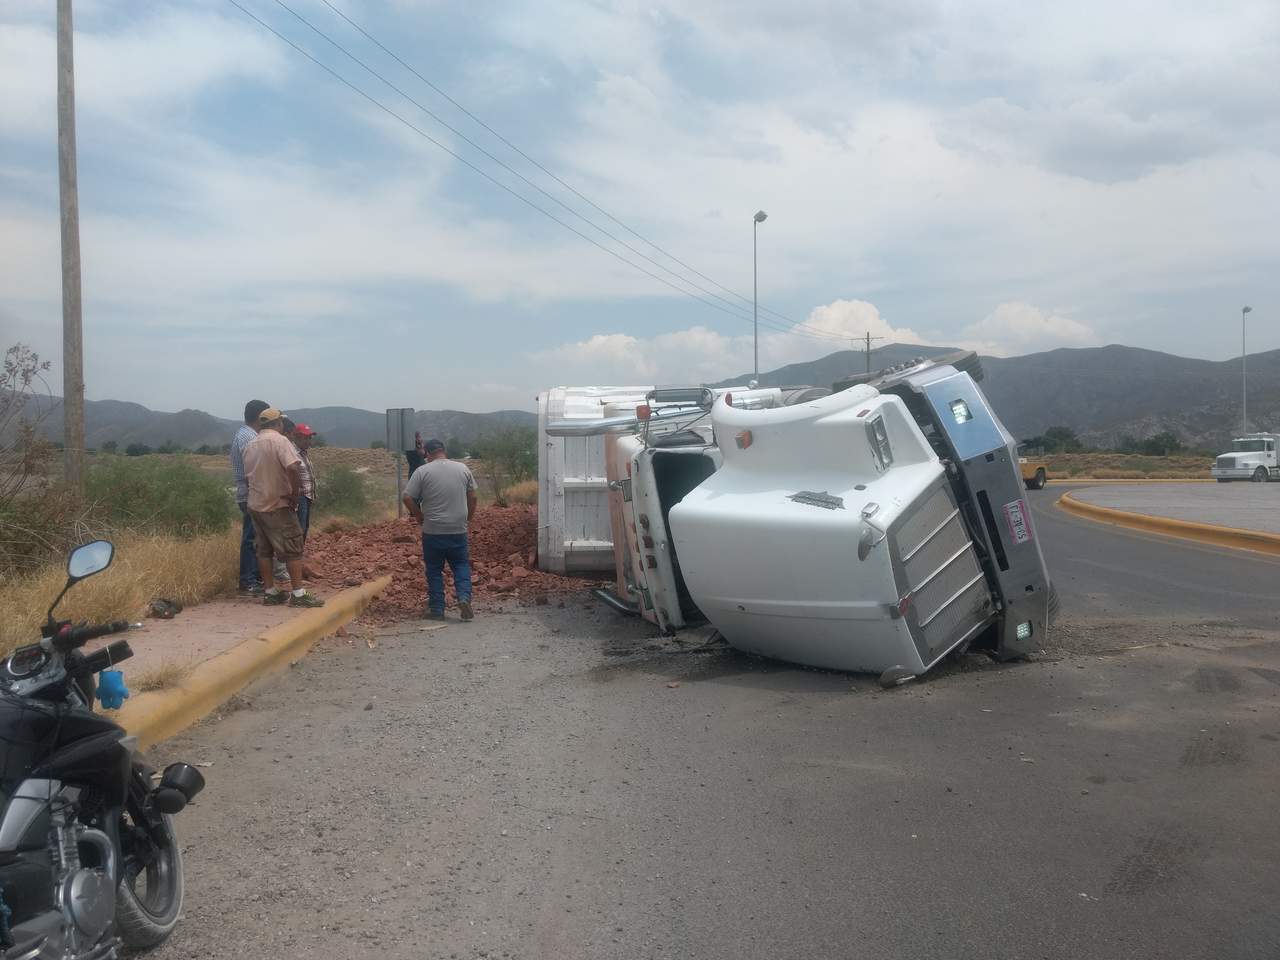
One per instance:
[(559, 783)]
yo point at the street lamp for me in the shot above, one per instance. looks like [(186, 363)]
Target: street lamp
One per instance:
[(1244, 390), (758, 219)]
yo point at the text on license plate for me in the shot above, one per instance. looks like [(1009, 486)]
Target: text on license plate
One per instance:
[(1019, 521)]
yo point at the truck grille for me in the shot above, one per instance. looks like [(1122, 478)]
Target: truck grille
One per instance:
[(1228, 462), (948, 590)]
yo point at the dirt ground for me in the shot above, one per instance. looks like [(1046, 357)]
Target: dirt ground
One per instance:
[(561, 783)]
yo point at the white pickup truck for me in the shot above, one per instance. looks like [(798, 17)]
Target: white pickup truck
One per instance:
[(876, 528), (1252, 457)]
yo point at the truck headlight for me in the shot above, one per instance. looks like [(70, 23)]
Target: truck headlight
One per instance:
[(1024, 630)]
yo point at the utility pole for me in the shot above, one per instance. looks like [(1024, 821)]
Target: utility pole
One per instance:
[(868, 338), (72, 339), (1244, 383)]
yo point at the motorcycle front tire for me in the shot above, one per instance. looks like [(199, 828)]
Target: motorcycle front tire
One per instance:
[(148, 905)]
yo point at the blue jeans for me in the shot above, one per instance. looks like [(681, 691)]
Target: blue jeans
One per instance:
[(436, 549), (304, 515), (248, 551)]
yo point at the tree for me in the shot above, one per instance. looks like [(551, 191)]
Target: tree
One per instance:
[(378, 445), (1162, 445), (110, 447), (509, 457), (24, 455), (169, 447), (137, 450), (1061, 440), (318, 441), (455, 448)]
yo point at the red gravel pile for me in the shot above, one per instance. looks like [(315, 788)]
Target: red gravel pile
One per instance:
[(503, 561)]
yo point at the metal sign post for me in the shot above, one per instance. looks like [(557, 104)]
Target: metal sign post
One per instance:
[(399, 439)]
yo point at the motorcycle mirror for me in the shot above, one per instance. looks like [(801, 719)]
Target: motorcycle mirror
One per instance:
[(88, 559), (85, 560), (866, 540)]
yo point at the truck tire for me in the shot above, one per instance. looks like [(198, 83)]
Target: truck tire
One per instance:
[(1039, 480), (1260, 475)]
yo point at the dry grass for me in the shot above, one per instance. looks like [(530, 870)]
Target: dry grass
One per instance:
[(145, 567), (162, 676), (1126, 466), (524, 492)]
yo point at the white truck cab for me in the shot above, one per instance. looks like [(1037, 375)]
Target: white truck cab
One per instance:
[(876, 528), (1252, 457)]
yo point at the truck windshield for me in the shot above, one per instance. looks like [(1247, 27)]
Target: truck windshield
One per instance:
[(1247, 446)]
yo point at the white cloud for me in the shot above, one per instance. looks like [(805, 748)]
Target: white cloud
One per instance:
[(1016, 328)]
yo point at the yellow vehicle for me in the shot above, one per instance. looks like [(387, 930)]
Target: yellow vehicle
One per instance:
[(1035, 469)]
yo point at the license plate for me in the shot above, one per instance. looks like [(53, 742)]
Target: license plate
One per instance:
[(1019, 521)]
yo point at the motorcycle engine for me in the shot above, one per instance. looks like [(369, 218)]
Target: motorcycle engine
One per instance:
[(86, 895)]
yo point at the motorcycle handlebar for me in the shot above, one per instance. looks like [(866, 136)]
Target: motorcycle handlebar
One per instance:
[(73, 637), (107, 657)]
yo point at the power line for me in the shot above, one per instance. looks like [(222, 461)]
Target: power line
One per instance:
[(577, 193), (554, 199), (461, 159)]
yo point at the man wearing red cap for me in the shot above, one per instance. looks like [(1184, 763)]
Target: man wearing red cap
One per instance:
[(303, 436)]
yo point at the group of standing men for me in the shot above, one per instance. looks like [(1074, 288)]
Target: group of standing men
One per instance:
[(275, 488)]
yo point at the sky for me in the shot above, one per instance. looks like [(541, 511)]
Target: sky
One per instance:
[(1007, 176)]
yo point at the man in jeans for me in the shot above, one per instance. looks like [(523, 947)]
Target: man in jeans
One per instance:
[(271, 467), (250, 582), (446, 491)]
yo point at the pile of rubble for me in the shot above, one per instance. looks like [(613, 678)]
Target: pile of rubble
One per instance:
[(504, 544)]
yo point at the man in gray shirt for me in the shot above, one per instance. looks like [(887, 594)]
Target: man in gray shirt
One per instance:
[(442, 495)]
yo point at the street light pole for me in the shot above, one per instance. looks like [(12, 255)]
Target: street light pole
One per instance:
[(1244, 389), (758, 219)]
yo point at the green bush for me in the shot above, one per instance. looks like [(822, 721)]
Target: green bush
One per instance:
[(167, 495), (341, 492)]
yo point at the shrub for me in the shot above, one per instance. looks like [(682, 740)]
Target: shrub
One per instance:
[(340, 492), (377, 445), (526, 491), (137, 450), (160, 496)]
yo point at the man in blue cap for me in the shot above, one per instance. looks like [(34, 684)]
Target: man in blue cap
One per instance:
[(442, 495)]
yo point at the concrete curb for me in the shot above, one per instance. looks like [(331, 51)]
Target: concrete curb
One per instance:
[(1232, 537), (1075, 480), (153, 717)]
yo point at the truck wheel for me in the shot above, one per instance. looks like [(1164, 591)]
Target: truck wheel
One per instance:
[(1040, 480), (1260, 475)]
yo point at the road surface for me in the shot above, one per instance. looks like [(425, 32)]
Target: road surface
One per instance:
[(558, 783), (1105, 571), (1246, 506)]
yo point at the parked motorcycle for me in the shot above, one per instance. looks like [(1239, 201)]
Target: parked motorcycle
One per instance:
[(88, 857)]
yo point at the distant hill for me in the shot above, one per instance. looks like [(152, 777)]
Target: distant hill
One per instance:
[(127, 423), (1103, 393)]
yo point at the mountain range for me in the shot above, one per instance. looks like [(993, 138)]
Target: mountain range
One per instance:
[(126, 423), (1103, 393)]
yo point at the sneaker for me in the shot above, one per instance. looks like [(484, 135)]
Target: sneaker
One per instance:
[(308, 599), (274, 599), (464, 609), (256, 590), (432, 614)]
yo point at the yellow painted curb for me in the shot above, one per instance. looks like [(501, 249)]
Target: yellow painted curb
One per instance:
[(1131, 480), (153, 717), (1232, 537)]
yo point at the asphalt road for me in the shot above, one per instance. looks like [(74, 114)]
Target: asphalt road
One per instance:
[(1247, 506), (1103, 571), (557, 783)]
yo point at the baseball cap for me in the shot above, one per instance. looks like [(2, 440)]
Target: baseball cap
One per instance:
[(270, 414), (303, 430), (431, 446)]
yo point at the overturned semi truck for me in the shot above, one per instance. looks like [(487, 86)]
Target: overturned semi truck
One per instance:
[(877, 527)]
